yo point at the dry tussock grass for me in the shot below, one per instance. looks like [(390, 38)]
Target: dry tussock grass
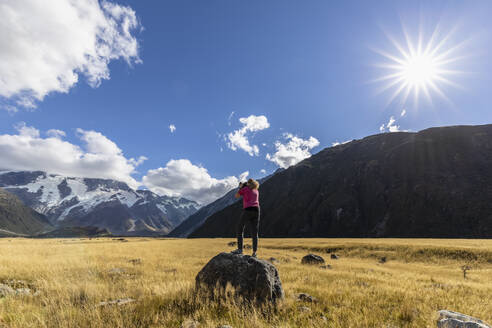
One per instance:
[(73, 276)]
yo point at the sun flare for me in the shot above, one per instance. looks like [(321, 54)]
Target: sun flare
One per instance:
[(419, 70), (419, 67)]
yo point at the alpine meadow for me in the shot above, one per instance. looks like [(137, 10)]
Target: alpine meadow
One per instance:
[(71, 277), (245, 164)]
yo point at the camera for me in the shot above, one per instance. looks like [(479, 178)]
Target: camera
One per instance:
[(242, 184)]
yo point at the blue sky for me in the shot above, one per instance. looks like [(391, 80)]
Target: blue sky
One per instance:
[(304, 65)]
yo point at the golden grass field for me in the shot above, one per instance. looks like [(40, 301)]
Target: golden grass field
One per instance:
[(72, 276)]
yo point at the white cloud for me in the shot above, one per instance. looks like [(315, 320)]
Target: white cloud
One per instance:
[(403, 113), (26, 131), (229, 119), (337, 143), (138, 161), (182, 178), (292, 152), (238, 138), (9, 108), (45, 48), (172, 128), (96, 143), (391, 126), (54, 133), (98, 158), (263, 171)]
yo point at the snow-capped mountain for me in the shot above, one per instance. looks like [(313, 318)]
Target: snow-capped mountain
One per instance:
[(103, 203)]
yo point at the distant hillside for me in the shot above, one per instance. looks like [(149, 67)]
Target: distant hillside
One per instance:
[(197, 219), (18, 219), (434, 183), (103, 203), (78, 232)]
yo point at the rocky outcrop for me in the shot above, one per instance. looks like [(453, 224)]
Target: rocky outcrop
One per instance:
[(252, 278), (434, 183), (450, 319)]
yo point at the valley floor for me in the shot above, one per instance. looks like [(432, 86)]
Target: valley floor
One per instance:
[(72, 276)]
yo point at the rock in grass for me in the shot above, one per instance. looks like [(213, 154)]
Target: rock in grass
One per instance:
[(118, 302), (273, 260), (312, 259), (252, 278), (6, 290), (334, 256), (116, 271), (326, 266), (304, 309), (234, 244), (23, 291), (450, 319), (190, 324), (303, 297), (13, 288), (135, 261)]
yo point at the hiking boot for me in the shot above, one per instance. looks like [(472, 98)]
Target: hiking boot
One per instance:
[(254, 254), (237, 251)]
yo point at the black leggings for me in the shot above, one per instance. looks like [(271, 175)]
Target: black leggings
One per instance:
[(251, 217)]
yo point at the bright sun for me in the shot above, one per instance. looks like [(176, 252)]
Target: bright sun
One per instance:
[(419, 68)]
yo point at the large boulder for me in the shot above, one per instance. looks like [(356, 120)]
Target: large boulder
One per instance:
[(450, 319), (252, 278), (312, 259)]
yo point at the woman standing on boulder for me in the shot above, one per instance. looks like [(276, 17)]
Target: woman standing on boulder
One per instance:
[(250, 214)]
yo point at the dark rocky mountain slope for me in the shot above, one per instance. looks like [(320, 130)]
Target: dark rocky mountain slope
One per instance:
[(434, 183), (18, 219), (199, 217)]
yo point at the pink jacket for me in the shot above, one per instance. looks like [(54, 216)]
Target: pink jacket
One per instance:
[(250, 197)]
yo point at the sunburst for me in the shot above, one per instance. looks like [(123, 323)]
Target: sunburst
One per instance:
[(424, 67)]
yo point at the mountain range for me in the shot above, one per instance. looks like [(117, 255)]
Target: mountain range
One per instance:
[(103, 203), (432, 183)]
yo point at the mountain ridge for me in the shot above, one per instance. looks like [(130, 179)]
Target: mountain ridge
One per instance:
[(16, 219), (433, 183)]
